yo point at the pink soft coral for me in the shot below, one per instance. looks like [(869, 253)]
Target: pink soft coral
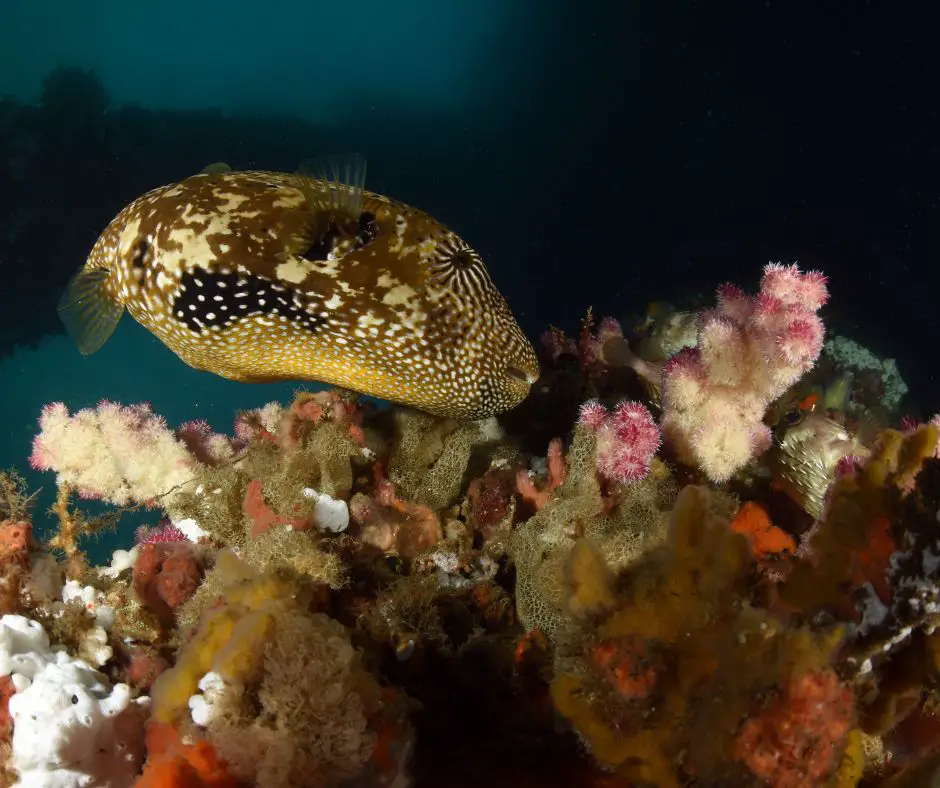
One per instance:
[(165, 531), (627, 439), (750, 351)]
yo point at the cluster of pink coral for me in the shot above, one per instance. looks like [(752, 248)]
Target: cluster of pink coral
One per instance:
[(627, 439), (164, 531), (749, 351)]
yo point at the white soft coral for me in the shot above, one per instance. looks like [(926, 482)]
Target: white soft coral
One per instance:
[(121, 454)]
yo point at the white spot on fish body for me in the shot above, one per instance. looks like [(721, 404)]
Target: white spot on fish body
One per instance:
[(369, 320), (232, 200), (399, 295), (293, 271)]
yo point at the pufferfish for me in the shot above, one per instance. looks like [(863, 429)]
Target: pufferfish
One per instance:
[(263, 276)]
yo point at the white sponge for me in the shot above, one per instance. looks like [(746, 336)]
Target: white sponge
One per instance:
[(71, 728)]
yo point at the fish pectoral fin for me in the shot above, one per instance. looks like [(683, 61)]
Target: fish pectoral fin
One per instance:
[(334, 183), (88, 310)]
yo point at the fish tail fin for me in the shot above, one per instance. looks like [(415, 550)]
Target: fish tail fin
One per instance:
[(335, 182), (89, 310)]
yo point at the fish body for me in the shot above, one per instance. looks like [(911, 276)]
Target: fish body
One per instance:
[(263, 276), (668, 331)]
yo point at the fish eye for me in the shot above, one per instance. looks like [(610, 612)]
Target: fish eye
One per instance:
[(463, 259)]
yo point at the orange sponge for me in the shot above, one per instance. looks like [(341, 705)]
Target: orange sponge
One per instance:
[(173, 764)]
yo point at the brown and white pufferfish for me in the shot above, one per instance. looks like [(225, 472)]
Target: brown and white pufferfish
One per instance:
[(264, 276)]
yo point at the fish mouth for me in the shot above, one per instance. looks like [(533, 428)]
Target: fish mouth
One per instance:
[(525, 376)]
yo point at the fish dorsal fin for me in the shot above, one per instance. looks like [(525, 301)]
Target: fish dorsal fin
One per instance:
[(90, 313), (335, 182), (216, 168)]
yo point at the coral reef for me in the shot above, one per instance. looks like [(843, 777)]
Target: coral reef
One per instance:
[(620, 594)]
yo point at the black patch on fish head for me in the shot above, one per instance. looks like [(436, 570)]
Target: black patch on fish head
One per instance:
[(217, 299)]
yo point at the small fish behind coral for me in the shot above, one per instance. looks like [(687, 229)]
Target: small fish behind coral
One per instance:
[(808, 452)]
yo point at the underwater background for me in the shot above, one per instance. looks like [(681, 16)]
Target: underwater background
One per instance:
[(605, 154)]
